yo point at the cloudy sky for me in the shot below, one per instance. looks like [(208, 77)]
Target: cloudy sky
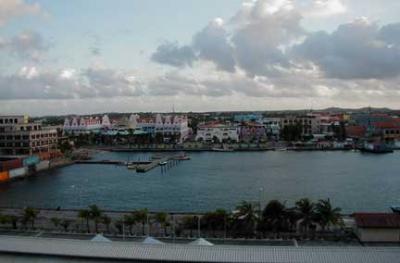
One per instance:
[(88, 56)]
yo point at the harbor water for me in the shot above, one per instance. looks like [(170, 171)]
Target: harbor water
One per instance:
[(352, 180)]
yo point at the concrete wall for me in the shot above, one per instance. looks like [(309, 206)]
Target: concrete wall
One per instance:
[(19, 172), (379, 234)]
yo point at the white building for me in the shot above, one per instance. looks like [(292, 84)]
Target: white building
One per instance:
[(82, 125), (168, 125), (220, 132)]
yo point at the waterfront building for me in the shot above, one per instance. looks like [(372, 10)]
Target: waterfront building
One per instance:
[(252, 132), (18, 135), (310, 124), (84, 125), (217, 132), (272, 127), (169, 127)]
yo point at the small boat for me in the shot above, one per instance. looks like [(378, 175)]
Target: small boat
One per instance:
[(162, 163), (131, 166), (224, 148), (182, 157)]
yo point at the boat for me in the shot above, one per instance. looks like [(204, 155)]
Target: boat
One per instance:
[(163, 163), (375, 148), (224, 148), (131, 166), (182, 157)]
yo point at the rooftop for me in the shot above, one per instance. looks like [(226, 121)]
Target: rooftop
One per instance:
[(114, 251), (377, 220)]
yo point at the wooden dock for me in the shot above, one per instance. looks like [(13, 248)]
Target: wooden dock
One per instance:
[(156, 162)]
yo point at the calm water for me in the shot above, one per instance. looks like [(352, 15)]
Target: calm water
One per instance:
[(352, 180)]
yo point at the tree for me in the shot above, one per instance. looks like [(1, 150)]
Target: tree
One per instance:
[(306, 211), (130, 221), (95, 215), (29, 215), (140, 216), (326, 215), (292, 132), (162, 219), (106, 220), (245, 219), (216, 220), (274, 217), (85, 215)]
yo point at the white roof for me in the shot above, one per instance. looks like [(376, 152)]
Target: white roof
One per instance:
[(201, 242), (152, 241), (100, 238), (186, 253)]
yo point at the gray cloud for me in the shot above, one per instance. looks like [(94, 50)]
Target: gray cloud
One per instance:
[(257, 42), (91, 83), (172, 54), (355, 50), (28, 45), (212, 44)]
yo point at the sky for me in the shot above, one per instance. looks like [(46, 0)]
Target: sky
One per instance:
[(93, 56)]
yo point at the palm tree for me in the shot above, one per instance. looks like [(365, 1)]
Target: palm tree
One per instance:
[(129, 220), (306, 211), (141, 216), (95, 215), (85, 215), (162, 219), (274, 216), (326, 215), (29, 214), (245, 218), (106, 220)]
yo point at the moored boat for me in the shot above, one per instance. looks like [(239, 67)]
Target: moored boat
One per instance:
[(375, 148), (162, 163)]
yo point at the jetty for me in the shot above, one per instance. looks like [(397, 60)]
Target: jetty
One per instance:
[(143, 168)]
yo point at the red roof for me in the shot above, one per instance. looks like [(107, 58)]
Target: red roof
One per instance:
[(355, 131), (377, 220), (386, 125)]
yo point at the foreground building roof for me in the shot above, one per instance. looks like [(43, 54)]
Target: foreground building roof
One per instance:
[(114, 251), (377, 220)]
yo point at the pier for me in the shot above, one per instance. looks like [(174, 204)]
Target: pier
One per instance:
[(143, 168), (140, 166)]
